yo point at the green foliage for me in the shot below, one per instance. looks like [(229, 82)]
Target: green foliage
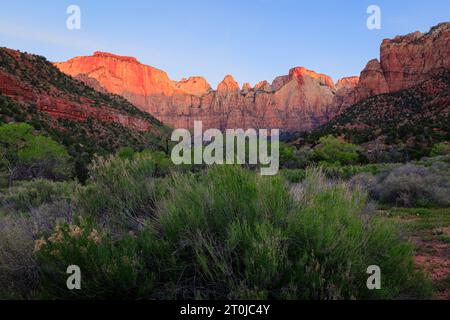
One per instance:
[(241, 236), (50, 158), (227, 233), (11, 134), (32, 194), (110, 269), (440, 149), (293, 175), (287, 155), (26, 156), (347, 172), (126, 153), (335, 151), (122, 192)]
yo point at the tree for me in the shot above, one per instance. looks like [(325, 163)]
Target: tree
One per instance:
[(28, 156), (287, 156), (440, 149), (336, 151)]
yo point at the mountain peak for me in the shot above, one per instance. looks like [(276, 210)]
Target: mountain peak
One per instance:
[(228, 84), (114, 56), (196, 85), (347, 82), (299, 72)]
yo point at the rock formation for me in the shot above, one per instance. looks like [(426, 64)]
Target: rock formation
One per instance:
[(405, 61), (298, 101), (31, 80)]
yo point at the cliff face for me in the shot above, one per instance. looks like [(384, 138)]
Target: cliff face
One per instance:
[(405, 61), (298, 101), (29, 79)]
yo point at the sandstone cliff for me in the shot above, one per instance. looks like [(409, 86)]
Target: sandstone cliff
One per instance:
[(31, 80), (405, 61), (298, 101)]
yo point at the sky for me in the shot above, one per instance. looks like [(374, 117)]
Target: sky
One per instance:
[(252, 40)]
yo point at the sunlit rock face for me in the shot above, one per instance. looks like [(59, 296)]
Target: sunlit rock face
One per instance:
[(405, 61), (298, 101), (33, 83), (411, 59)]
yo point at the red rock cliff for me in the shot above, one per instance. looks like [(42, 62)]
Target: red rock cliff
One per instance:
[(29, 79), (300, 100), (405, 61)]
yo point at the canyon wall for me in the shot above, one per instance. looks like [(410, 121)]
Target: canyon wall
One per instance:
[(405, 61), (298, 101), (30, 80)]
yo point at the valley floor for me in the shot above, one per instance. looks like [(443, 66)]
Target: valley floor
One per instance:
[(429, 231)]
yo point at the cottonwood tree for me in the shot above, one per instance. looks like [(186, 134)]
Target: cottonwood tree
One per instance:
[(336, 151), (27, 156)]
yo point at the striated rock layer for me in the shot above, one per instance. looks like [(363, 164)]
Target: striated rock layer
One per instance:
[(31, 80), (298, 101), (405, 61)]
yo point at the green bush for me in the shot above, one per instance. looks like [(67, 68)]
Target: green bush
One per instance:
[(126, 153), (228, 233), (32, 194), (27, 156), (347, 172), (110, 269), (293, 175), (440, 149), (122, 193), (335, 151), (19, 278), (242, 236), (415, 186)]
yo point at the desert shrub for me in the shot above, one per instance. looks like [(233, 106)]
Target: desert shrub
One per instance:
[(417, 186), (293, 175), (110, 269), (228, 233), (18, 273), (234, 234), (365, 181), (347, 172), (18, 232), (304, 157), (229, 215), (122, 193), (338, 256), (385, 249), (440, 149), (32, 194)]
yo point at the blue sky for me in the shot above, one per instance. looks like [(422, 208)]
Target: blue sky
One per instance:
[(251, 39)]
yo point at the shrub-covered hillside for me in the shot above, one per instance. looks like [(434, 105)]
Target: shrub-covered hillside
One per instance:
[(411, 121)]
